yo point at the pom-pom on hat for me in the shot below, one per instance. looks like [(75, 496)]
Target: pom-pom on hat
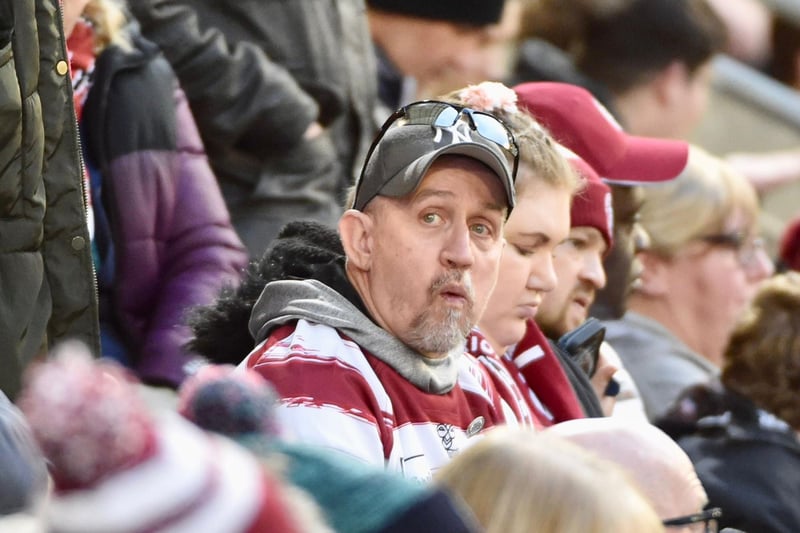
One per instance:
[(119, 468), (578, 121), (231, 402), (467, 12)]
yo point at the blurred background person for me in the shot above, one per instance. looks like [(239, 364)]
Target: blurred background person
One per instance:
[(118, 467), (46, 277), (428, 48), (658, 466), (648, 61), (240, 404), (284, 95), (700, 270), (517, 481), (743, 431), (163, 237)]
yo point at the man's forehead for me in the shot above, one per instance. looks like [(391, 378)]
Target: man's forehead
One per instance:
[(587, 232)]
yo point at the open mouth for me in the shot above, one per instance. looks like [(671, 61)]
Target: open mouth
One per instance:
[(455, 293)]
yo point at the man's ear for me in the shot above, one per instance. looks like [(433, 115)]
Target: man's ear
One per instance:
[(356, 231), (655, 272)]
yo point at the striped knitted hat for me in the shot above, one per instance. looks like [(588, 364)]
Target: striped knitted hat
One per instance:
[(116, 467)]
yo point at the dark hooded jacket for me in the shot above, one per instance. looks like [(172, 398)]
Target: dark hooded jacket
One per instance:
[(747, 459), (257, 74), (171, 244)]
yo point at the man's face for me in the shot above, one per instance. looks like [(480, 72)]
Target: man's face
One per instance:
[(435, 255), (535, 228), (578, 263), (621, 266), (455, 55)]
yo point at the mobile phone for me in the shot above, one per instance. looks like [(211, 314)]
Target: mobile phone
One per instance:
[(583, 344)]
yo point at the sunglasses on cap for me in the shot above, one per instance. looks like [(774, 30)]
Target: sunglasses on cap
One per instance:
[(439, 114)]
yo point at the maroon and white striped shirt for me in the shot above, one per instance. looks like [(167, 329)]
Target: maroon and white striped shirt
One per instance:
[(336, 394)]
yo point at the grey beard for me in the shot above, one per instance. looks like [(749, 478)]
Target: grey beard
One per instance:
[(431, 335)]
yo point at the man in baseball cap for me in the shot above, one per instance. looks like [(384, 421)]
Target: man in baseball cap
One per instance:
[(581, 123), (418, 134), (365, 348), (596, 264)]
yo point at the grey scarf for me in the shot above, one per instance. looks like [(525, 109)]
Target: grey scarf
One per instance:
[(287, 300)]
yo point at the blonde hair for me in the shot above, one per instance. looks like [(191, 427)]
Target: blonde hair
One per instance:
[(762, 360), (699, 202), (517, 481), (108, 19)]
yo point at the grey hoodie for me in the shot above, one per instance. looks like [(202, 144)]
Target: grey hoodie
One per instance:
[(288, 300)]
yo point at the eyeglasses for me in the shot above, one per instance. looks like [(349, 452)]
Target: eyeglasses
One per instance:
[(747, 249), (709, 518), (444, 115)]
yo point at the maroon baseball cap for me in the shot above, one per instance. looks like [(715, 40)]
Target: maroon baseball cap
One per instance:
[(578, 121)]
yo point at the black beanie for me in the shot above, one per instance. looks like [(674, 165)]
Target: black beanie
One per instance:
[(471, 12)]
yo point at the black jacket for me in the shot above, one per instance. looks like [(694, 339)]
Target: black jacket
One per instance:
[(747, 459), (257, 74)]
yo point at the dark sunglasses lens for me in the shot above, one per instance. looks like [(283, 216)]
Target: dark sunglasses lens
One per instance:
[(491, 129)]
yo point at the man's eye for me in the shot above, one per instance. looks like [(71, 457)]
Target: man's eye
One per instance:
[(430, 218), (481, 229)]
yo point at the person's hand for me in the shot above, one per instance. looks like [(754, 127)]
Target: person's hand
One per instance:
[(604, 385), (314, 130)]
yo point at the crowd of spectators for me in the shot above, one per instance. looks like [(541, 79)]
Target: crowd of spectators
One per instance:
[(390, 265)]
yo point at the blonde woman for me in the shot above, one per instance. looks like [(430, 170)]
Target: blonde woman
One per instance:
[(517, 482), (539, 222), (163, 241), (699, 272)]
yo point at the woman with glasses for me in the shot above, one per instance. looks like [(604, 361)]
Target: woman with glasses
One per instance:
[(700, 270), (743, 431)]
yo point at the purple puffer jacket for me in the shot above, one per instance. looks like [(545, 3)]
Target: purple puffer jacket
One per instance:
[(173, 242)]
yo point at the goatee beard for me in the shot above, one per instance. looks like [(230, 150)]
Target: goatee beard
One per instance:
[(438, 331)]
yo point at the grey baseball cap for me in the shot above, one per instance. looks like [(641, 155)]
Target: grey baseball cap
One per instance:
[(404, 154)]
